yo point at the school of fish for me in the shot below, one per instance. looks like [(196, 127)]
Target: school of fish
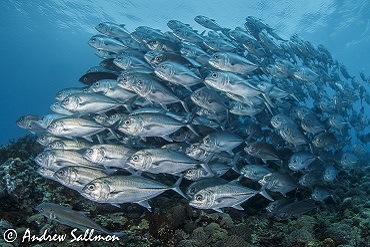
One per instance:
[(237, 113)]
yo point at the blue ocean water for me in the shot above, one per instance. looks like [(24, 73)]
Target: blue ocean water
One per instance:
[(44, 43)]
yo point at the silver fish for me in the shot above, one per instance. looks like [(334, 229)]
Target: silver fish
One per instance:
[(66, 144), (150, 125), (262, 150), (109, 155), (301, 160), (278, 182), (71, 127), (231, 83), (294, 209), (110, 88), (198, 172), (57, 108), (129, 62), (208, 99), (202, 184), (76, 177), (218, 142), (126, 189), (177, 74), (161, 160), (231, 62), (254, 172), (53, 159), (64, 93), (221, 196), (349, 159), (46, 139), (320, 194), (75, 219), (102, 42), (188, 34), (154, 91), (86, 103), (208, 23), (113, 29), (305, 74), (30, 122)]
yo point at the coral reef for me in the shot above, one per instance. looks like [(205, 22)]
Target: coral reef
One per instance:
[(173, 222)]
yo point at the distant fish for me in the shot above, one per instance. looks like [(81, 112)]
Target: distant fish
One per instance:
[(90, 78), (69, 217)]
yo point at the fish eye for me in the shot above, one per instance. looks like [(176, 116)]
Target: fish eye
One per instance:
[(214, 75), (101, 24), (192, 190), (135, 158), (151, 53), (140, 82), (127, 122), (91, 186), (207, 140), (199, 198), (163, 66), (97, 84), (89, 151), (158, 58), (216, 56), (42, 155), (61, 172), (189, 172), (93, 39)]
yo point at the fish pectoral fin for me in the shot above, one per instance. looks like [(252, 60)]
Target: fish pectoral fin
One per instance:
[(116, 205), (145, 204)]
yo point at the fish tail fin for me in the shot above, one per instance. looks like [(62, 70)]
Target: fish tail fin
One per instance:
[(265, 194), (225, 31), (185, 106), (235, 161), (188, 121), (176, 187), (119, 234)]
